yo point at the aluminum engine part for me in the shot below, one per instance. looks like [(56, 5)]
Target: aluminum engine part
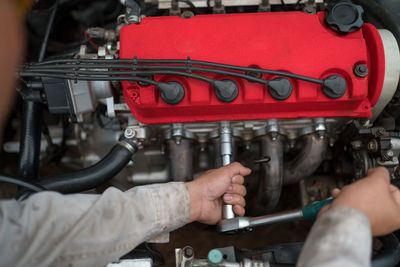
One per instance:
[(392, 72)]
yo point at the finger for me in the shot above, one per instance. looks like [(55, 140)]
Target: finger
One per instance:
[(380, 173), (395, 192), (239, 210), (323, 210), (238, 179), (237, 169), (393, 188), (234, 199), (237, 189), (335, 192)]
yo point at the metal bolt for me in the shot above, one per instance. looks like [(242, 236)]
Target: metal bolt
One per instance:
[(188, 251), (361, 70), (133, 19), (274, 136), (372, 146), (187, 14), (387, 155), (310, 8), (178, 139), (129, 133), (380, 132)]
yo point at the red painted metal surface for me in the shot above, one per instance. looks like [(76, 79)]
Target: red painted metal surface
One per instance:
[(291, 41)]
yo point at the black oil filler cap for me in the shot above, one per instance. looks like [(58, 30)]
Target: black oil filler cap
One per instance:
[(344, 17)]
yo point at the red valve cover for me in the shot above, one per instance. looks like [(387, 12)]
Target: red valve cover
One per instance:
[(291, 41)]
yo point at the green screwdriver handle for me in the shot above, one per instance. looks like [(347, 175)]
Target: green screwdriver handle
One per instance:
[(310, 212)]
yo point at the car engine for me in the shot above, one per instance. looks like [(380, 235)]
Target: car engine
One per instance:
[(304, 93)]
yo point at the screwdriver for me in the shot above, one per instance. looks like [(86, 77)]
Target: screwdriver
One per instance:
[(308, 212)]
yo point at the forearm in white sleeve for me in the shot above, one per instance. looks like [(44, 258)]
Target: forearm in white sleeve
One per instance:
[(50, 229), (340, 237)]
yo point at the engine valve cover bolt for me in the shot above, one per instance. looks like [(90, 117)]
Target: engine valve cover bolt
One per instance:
[(361, 70), (280, 88), (187, 14), (334, 86)]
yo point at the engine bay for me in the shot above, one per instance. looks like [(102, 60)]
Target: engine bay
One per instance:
[(304, 93)]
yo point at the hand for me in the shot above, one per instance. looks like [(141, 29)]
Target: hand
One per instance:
[(375, 197), (207, 190)]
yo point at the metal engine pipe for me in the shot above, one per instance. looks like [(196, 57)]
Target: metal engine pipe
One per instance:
[(307, 160), (271, 173), (180, 156)]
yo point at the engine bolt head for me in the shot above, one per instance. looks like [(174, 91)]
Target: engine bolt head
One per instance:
[(372, 146), (187, 14), (129, 133), (188, 251), (361, 70)]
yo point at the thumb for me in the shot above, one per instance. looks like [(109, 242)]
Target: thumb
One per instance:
[(236, 168)]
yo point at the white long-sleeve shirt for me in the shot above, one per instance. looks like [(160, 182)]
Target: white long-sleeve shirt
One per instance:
[(50, 229), (341, 237)]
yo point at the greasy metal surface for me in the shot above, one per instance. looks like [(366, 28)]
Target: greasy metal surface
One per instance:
[(180, 160), (307, 160), (271, 174)]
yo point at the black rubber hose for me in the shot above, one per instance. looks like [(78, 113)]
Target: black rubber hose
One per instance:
[(93, 176), (271, 174), (28, 161), (29, 150)]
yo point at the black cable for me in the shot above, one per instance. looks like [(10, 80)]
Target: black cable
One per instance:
[(89, 78), (43, 48), (27, 185), (233, 67), (209, 5), (191, 5), (145, 73), (185, 62), (161, 69), (284, 5)]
